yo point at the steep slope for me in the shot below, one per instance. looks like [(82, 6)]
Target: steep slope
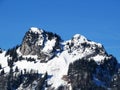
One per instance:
[(41, 43), (45, 61)]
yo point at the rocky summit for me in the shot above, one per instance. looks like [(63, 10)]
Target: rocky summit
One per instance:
[(44, 61), (41, 43)]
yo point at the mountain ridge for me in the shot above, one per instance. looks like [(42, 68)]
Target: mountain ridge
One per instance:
[(55, 64)]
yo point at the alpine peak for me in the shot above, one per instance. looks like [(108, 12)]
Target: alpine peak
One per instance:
[(44, 61), (79, 37)]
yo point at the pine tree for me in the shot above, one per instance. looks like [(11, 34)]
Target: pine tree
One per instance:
[(0, 66), (16, 69), (2, 72), (0, 50)]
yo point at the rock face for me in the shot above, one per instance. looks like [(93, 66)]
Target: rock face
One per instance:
[(41, 43), (33, 42), (45, 62)]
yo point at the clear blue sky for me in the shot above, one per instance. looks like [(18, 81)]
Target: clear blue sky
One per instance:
[(98, 20)]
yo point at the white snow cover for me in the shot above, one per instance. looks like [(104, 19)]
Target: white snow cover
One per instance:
[(36, 30), (3, 62), (98, 58), (79, 38), (49, 45)]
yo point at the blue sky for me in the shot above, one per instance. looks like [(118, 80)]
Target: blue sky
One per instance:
[(98, 20)]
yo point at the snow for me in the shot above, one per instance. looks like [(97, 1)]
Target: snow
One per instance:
[(41, 67), (18, 52), (99, 58), (36, 30), (49, 45), (76, 36), (3, 62), (80, 38), (58, 67)]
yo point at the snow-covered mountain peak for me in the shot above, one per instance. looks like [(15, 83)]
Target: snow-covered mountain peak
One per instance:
[(36, 30), (79, 38), (80, 47), (66, 63), (41, 43)]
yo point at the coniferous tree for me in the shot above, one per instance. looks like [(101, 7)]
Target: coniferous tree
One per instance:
[(0, 66), (16, 69), (2, 72), (0, 50)]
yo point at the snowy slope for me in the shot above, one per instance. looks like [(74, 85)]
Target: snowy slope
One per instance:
[(56, 67), (3, 62)]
